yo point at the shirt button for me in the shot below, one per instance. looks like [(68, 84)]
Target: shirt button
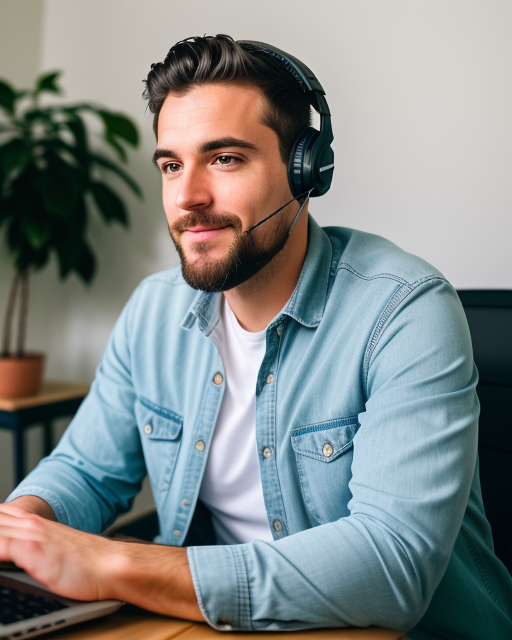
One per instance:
[(277, 525), (185, 502), (200, 445), (218, 379), (279, 329), (266, 452), (148, 429), (176, 532), (270, 378), (327, 450)]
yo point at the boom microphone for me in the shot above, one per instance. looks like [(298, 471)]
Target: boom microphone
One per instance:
[(306, 193)]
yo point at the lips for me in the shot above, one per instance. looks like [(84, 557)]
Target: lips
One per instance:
[(200, 234)]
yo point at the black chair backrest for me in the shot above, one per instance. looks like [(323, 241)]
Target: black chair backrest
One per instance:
[(489, 315)]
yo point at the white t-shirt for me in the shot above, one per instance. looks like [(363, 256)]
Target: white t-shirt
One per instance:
[(231, 486)]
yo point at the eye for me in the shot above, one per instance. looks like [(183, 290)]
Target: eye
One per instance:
[(227, 160), (171, 167)]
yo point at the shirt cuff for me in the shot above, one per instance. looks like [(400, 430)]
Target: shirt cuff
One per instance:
[(48, 496), (220, 579)]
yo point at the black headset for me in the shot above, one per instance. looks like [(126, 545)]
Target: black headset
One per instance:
[(311, 162)]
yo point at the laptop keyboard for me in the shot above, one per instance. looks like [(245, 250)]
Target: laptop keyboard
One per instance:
[(17, 605)]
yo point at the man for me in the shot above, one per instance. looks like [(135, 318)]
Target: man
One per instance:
[(313, 389)]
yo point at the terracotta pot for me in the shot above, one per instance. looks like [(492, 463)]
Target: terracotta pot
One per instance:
[(21, 376)]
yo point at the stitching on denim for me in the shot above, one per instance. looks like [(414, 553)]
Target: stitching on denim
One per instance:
[(161, 411), (397, 298), (278, 364), (392, 276), (243, 587), (314, 454), (320, 426), (479, 565), (191, 555)]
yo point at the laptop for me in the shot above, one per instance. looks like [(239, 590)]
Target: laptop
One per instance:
[(28, 609)]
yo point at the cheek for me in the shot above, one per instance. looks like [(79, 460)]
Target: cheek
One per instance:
[(169, 202)]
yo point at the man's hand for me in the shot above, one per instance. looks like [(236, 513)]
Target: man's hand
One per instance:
[(69, 562), (83, 566)]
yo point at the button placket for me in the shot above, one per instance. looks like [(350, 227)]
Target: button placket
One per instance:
[(266, 435)]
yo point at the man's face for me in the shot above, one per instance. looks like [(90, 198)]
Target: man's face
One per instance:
[(222, 173)]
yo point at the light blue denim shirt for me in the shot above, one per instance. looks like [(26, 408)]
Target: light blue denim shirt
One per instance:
[(370, 416)]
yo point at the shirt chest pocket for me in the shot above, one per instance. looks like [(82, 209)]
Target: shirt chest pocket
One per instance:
[(160, 433), (323, 453)]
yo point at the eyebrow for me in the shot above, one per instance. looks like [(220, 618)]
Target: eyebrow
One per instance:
[(206, 147)]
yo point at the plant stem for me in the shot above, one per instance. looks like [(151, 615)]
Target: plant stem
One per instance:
[(9, 315), (23, 312)]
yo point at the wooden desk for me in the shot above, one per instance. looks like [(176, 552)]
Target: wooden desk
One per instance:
[(55, 400), (131, 623)]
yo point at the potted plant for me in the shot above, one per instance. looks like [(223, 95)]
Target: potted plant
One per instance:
[(49, 178)]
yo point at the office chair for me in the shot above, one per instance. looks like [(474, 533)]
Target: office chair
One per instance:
[(489, 315)]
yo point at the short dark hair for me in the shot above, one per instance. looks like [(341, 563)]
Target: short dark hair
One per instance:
[(220, 59)]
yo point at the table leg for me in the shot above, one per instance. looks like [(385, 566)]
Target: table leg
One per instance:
[(48, 437), (19, 455)]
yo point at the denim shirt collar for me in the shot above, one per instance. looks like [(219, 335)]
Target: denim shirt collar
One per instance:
[(307, 302)]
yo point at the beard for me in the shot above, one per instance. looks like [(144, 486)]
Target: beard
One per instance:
[(245, 258)]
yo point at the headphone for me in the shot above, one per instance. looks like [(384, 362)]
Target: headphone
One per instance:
[(311, 161)]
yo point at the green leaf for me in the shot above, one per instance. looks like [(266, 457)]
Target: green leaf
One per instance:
[(60, 185), (67, 239), (109, 204), (48, 82), (107, 164), (36, 227), (115, 145), (24, 255), (14, 156), (76, 125), (86, 264), (119, 126), (7, 97)]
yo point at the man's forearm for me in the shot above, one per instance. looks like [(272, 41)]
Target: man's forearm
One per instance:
[(154, 577), (33, 504)]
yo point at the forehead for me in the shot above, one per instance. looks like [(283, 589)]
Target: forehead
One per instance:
[(213, 109)]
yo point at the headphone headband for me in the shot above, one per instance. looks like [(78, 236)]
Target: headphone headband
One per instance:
[(302, 74)]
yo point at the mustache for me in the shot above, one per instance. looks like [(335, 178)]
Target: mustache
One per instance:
[(207, 219)]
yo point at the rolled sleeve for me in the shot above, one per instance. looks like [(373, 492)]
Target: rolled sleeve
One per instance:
[(48, 496), (221, 582)]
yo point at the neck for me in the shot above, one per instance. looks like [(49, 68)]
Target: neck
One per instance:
[(258, 300)]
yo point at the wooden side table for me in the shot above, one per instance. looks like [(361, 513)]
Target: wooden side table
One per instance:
[(55, 400)]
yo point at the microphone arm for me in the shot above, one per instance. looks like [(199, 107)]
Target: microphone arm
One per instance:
[(306, 193)]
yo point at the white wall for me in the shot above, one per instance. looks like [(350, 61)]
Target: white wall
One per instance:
[(20, 59), (421, 99)]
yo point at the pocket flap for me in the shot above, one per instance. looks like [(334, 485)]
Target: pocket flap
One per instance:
[(325, 441), (158, 423)]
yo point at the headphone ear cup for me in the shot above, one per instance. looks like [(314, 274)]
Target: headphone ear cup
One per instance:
[(322, 163), (300, 167)]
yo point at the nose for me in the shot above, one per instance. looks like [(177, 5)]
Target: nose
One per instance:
[(194, 191)]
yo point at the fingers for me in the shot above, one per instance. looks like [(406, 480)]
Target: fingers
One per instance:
[(7, 507), (28, 528)]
